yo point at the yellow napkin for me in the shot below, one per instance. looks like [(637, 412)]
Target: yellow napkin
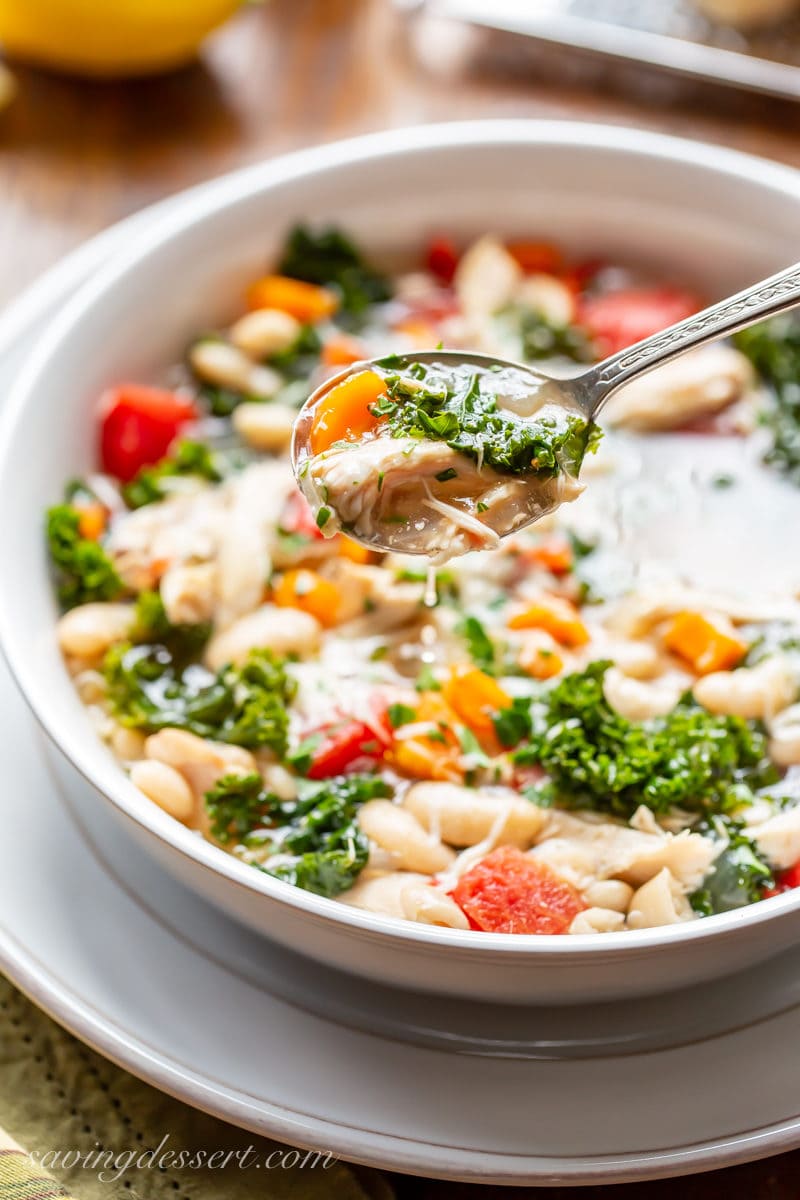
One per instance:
[(71, 1110)]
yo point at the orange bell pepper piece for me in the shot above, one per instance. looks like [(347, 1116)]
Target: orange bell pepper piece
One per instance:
[(555, 555), (307, 302), (431, 756), (341, 350), (308, 591), (705, 644), (475, 697), (92, 520), (557, 617), (343, 413), (348, 548), (540, 662)]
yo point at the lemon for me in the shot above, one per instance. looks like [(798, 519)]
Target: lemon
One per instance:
[(109, 37)]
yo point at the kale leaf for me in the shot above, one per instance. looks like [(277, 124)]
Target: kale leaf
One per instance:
[(151, 624), (597, 759), (328, 257), (540, 338), (461, 409), (84, 571), (773, 348), (245, 706), (739, 876), (189, 458), (321, 845)]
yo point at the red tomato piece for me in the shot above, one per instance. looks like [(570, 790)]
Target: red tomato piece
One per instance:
[(537, 258), (508, 892), (618, 319), (348, 743), (442, 259), (138, 425), (298, 518), (785, 881)]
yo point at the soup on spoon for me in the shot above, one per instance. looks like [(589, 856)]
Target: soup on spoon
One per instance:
[(438, 453)]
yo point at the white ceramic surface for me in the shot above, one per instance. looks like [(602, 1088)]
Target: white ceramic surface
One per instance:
[(701, 214)]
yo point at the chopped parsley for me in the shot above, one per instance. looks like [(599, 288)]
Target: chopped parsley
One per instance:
[(323, 516), (400, 714), (482, 650)]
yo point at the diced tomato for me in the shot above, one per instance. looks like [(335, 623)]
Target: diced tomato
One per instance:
[(351, 742), (537, 258), (298, 517), (508, 892), (578, 276), (138, 425), (618, 319), (785, 881), (442, 259)]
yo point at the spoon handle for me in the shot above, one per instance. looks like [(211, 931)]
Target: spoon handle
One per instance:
[(765, 299)]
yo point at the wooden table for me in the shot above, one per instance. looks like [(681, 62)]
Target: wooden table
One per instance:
[(77, 156)]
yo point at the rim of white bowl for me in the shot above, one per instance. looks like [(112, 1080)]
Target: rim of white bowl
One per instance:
[(89, 757)]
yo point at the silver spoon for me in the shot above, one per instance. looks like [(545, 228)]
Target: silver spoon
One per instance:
[(587, 392)]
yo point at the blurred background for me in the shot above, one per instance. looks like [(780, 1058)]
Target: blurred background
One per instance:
[(109, 106)]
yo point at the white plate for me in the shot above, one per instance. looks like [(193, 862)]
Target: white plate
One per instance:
[(139, 968)]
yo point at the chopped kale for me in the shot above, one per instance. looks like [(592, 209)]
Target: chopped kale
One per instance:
[(319, 835), (84, 572), (328, 257), (461, 408), (189, 458), (151, 624), (513, 725), (301, 358), (597, 759), (540, 338), (776, 637), (237, 804), (773, 348), (739, 876), (245, 706)]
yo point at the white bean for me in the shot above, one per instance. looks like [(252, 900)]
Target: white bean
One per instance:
[(265, 332), (90, 629), (547, 296), (90, 685), (188, 593), (128, 744), (465, 816), (201, 762), (598, 920), (266, 427), (757, 693), (382, 893), (637, 700), (282, 630), (639, 660), (165, 786), (609, 893), (428, 906), (660, 901), (784, 742), (396, 830), (226, 366)]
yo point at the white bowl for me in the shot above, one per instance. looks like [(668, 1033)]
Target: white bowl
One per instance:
[(691, 212)]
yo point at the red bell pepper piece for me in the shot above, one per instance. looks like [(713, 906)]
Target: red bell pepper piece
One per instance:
[(785, 881), (442, 259), (138, 426)]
